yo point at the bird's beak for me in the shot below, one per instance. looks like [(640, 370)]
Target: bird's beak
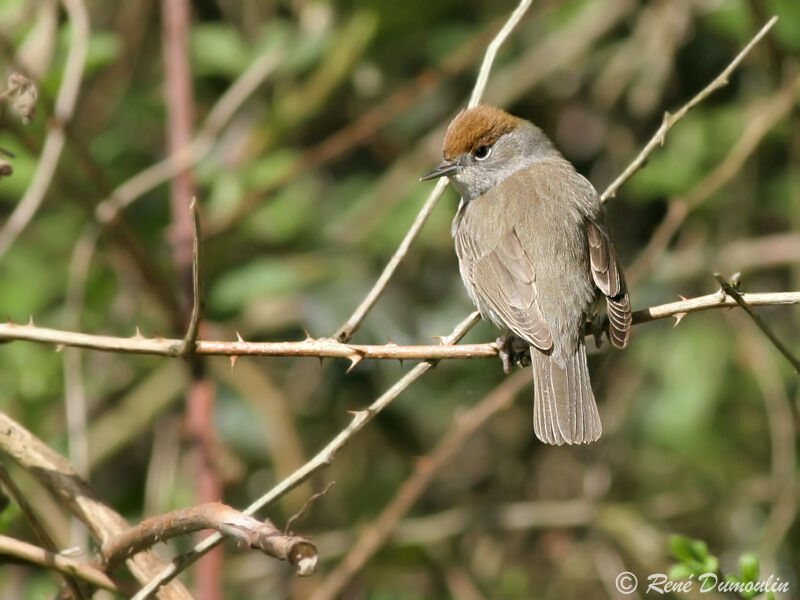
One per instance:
[(443, 168)]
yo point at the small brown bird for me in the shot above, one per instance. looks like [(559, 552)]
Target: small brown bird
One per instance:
[(534, 252)]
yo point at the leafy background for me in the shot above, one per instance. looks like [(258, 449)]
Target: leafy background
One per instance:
[(699, 419)]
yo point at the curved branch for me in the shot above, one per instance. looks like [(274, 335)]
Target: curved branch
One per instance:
[(261, 535)]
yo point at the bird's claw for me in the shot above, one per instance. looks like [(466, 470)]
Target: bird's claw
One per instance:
[(512, 350)]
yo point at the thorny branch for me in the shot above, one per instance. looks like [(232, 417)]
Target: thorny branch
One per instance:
[(346, 331), (349, 327), (331, 348), (323, 458), (670, 120)]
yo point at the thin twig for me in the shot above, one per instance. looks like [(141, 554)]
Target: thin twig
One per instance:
[(771, 111), (355, 353), (190, 339), (62, 564), (374, 536), (670, 120), (491, 51), (758, 358), (349, 327), (731, 291), (261, 535), (54, 143), (323, 458), (313, 498)]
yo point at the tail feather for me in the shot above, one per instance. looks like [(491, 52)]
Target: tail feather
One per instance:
[(564, 409)]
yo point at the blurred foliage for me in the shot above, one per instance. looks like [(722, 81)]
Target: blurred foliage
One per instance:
[(691, 414)]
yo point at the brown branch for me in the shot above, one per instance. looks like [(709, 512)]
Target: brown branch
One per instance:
[(355, 353), (731, 291), (264, 536), (670, 120), (323, 458), (54, 142), (68, 567), (349, 327), (58, 476), (190, 339), (373, 537)]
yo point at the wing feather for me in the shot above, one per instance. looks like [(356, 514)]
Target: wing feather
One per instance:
[(504, 281), (608, 277)]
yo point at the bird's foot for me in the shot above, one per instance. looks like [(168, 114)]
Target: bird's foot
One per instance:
[(513, 350), (596, 326)]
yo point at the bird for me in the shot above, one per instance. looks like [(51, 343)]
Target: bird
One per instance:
[(535, 256)]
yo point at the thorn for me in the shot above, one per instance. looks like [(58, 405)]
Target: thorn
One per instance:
[(59, 347), (678, 318), (308, 336), (401, 361), (233, 358), (239, 337), (30, 321), (438, 337), (138, 335), (682, 297), (390, 341), (354, 360)]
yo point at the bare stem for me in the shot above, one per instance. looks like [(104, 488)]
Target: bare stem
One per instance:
[(670, 120), (190, 339)]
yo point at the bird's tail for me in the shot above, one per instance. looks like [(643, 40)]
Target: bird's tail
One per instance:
[(564, 409)]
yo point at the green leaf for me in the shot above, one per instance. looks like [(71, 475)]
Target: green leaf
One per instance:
[(681, 547), (748, 567), (681, 571)]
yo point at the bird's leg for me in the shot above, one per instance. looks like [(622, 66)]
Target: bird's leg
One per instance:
[(597, 324), (513, 350)]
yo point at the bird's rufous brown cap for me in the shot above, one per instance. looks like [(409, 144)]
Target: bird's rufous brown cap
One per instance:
[(475, 127)]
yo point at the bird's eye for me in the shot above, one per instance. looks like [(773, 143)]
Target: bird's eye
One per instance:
[(482, 152)]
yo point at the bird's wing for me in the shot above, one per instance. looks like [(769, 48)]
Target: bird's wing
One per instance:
[(505, 282), (608, 277)]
